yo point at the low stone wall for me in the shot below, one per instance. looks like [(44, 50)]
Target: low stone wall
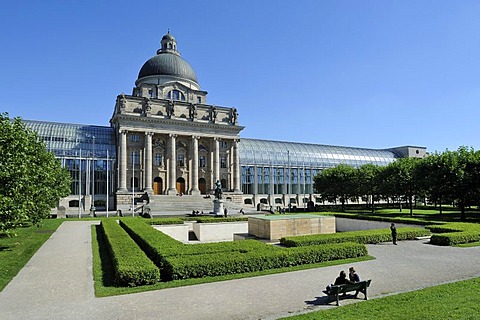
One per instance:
[(177, 231), (211, 232), (276, 227), (347, 224)]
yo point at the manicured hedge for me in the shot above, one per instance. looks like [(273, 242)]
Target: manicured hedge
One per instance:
[(159, 246), (180, 261), (131, 266), (385, 218), (164, 221), (216, 219), (184, 267), (454, 233), (362, 236)]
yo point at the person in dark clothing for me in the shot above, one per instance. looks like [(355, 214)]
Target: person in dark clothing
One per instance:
[(341, 279), (354, 277), (393, 228)]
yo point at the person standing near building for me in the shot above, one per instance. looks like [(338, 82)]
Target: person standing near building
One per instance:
[(393, 228)]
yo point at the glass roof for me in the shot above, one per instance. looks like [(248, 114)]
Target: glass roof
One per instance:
[(66, 139), (278, 153)]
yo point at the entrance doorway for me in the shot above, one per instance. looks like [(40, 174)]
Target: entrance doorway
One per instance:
[(202, 185), (181, 186), (157, 185)]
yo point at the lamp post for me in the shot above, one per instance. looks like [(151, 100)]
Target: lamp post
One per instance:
[(92, 207), (133, 183), (108, 193), (289, 186), (80, 185)]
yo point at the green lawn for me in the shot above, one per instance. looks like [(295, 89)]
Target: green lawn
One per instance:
[(459, 300), (15, 251)]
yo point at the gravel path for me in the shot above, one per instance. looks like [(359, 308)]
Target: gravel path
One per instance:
[(57, 283)]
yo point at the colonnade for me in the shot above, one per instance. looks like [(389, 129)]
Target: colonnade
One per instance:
[(171, 157)]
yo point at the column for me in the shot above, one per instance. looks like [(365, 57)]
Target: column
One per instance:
[(194, 169), (216, 160), (148, 161), (172, 168), (236, 168), (123, 161)]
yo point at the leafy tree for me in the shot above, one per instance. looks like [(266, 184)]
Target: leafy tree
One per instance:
[(398, 179), (465, 181), (367, 182), (336, 183), (32, 181)]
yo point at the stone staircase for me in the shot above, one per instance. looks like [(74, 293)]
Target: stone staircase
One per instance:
[(178, 205)]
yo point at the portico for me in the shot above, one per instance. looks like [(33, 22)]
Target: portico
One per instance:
[(171, 142)]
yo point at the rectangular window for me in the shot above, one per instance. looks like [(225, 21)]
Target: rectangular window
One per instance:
[(157, 159), (202, 163), (199, 100), (150, 93), (135, 157), (134, 137), (181, 160), (223, 161)]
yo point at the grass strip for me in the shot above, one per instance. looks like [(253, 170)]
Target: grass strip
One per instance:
[(458, 300), (15, 251)]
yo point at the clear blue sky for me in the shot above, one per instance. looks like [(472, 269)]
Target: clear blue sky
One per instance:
[(373, 74)]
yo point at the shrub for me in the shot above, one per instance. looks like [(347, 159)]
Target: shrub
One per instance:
[(216, 219), (181, 261), (362, 236), (131, 266), (454, 233), (164, 221), (184, 267)]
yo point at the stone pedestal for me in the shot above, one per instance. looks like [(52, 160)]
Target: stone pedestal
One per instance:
[(218, 207)]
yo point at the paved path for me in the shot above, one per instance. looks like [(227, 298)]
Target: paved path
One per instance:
[(57, 283)]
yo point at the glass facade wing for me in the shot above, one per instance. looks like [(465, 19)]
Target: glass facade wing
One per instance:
[(65, 139), (256, 152)]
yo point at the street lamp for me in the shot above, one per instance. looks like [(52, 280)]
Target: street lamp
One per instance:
[(92, 207)]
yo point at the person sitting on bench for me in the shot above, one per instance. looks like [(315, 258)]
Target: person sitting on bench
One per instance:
[(341, 279)]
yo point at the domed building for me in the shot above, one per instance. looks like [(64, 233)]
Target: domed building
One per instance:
[(166, 146)]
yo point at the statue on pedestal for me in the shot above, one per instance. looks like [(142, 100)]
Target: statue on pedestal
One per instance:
[(218, 190)]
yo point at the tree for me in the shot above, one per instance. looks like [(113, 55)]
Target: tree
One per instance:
[(336, 183), (464, 183), (32, 181), (398, 179), (367, 181)]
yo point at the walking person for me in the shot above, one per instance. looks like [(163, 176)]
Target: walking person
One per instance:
[(393, 228)]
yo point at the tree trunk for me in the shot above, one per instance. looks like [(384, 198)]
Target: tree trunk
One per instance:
[(373, 203)]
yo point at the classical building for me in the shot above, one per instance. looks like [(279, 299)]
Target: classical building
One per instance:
[(165, 142)]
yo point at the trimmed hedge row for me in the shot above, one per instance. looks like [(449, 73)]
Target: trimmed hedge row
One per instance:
[(164, 221), (362, 236), (180, 261), (217, 264), (131, 266), (216, 219), (454, 233), (158, 246), (386, 218)]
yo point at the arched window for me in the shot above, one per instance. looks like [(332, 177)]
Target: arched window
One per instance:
[(176, 95)]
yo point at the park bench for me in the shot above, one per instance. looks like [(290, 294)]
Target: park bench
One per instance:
[(336, 291)]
